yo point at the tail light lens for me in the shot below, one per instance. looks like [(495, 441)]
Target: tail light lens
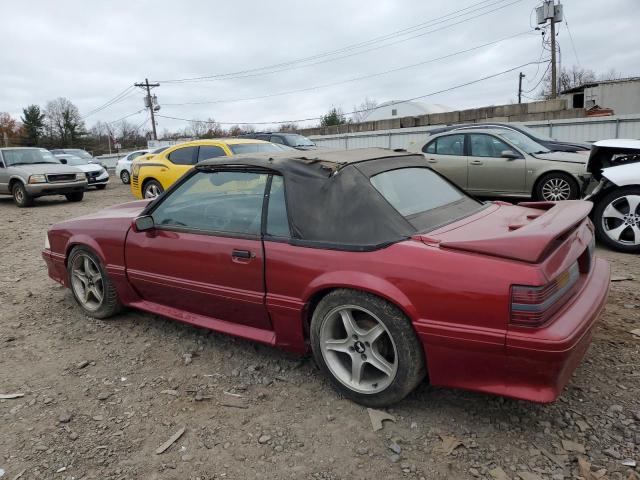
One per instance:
[(534, 306)]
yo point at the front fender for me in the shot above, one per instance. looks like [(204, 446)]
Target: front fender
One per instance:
[(623, 175)]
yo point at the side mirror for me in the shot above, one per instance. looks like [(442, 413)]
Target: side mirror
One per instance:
[(144, 223), (63, 161), (509, 154)]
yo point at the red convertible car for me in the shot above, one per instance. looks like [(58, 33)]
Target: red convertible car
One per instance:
[(384, 268)]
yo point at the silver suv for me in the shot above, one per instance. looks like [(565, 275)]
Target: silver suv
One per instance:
[(27, 173)]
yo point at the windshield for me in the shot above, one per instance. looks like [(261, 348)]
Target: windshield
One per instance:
[(28, 156), (423, 197), (534, 133), (73, 160), (79, 153), (523, 142), (240, 148), (295, 140)]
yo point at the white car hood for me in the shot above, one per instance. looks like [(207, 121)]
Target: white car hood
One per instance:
[(623, 175), (89, 167)]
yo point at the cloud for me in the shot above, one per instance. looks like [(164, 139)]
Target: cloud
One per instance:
[(90, 51)]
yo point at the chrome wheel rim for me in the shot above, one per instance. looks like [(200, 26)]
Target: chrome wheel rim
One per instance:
[(556, 189), (152, 191), (19, 195), (621, 220), (87, 283), (124, 176), (358, 349)]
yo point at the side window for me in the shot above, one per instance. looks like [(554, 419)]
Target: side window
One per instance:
[(450, 145), (275, 139), (210, 151), (430, 147), (483, 145), (182, 156), (229, 202), (277, 220), (135, 155)]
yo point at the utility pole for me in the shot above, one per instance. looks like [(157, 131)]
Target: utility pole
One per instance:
[(150, 102), (552, 13), (520, 77)]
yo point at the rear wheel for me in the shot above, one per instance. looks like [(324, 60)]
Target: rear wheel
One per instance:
[(152, 189), (20, 196), (125, 177), (367, 347), (75, 196), (555, 187), (91, 286), (617, 219)]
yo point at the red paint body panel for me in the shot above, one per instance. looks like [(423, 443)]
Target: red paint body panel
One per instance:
[(458, 300)]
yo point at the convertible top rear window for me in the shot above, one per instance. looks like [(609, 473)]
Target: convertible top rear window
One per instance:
[(423, 197)]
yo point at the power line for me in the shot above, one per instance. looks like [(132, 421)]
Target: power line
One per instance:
[(349, 80), (293, 64), (126, 116), (114, 100), (573, 45), (361, 110)]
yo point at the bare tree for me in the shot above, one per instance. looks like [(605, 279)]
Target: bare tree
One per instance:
[(197, 129), (288, 127), (63, 122), (362, 110)]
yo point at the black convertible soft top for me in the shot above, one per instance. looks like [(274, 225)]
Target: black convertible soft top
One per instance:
[(331, 202)]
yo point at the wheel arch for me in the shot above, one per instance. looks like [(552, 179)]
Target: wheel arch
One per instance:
[(325, 284), (13, 181), (85, 242)]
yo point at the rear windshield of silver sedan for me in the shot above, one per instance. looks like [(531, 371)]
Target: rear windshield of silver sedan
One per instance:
[(423, 197)]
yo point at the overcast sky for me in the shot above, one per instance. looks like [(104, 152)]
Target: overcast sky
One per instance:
[(91, 51)]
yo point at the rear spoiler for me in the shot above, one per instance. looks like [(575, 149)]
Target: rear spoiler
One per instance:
[(533, 241)]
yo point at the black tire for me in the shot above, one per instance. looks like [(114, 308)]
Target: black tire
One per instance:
[(101, 187), (616, 197), (20, 196), (110, 304), (125, 177), (409, 354), (149, 186), (559, 178), (75, 196)]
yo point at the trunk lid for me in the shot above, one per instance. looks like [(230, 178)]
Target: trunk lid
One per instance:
[(527, 232)]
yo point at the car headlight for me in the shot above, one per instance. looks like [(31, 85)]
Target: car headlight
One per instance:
[(81, 176), (37, 179), (47, 245)]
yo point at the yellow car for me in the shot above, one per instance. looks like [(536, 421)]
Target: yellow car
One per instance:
[(152, 175)]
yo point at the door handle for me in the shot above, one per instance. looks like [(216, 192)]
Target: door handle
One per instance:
[(476, 162), (242, 254), (432, 160)]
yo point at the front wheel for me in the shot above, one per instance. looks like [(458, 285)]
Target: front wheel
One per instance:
[(21, 197), (555, 187), (75, 196), (152, 189), (90, 284), (367, 347), (617, 219), (125, 177)]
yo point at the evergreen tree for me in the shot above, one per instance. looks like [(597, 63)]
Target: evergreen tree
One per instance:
[(33, 125)]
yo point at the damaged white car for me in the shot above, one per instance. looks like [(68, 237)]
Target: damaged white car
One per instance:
[(615, 165)]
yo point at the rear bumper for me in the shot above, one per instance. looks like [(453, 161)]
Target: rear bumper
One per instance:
[(540, 362)]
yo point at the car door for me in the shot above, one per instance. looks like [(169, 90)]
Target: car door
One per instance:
[(445, 154), (204, 256), (489, 172)]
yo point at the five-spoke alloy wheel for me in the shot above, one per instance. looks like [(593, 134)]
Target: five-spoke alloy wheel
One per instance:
[(367, 347), (90, 284), (617, 219), (152, 189)]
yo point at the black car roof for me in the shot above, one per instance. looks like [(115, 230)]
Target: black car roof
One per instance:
[(331, 202)]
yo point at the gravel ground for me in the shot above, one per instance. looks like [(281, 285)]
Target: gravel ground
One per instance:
[(100, 397)]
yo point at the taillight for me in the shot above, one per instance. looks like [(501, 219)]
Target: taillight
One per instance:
[(533, 306)]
